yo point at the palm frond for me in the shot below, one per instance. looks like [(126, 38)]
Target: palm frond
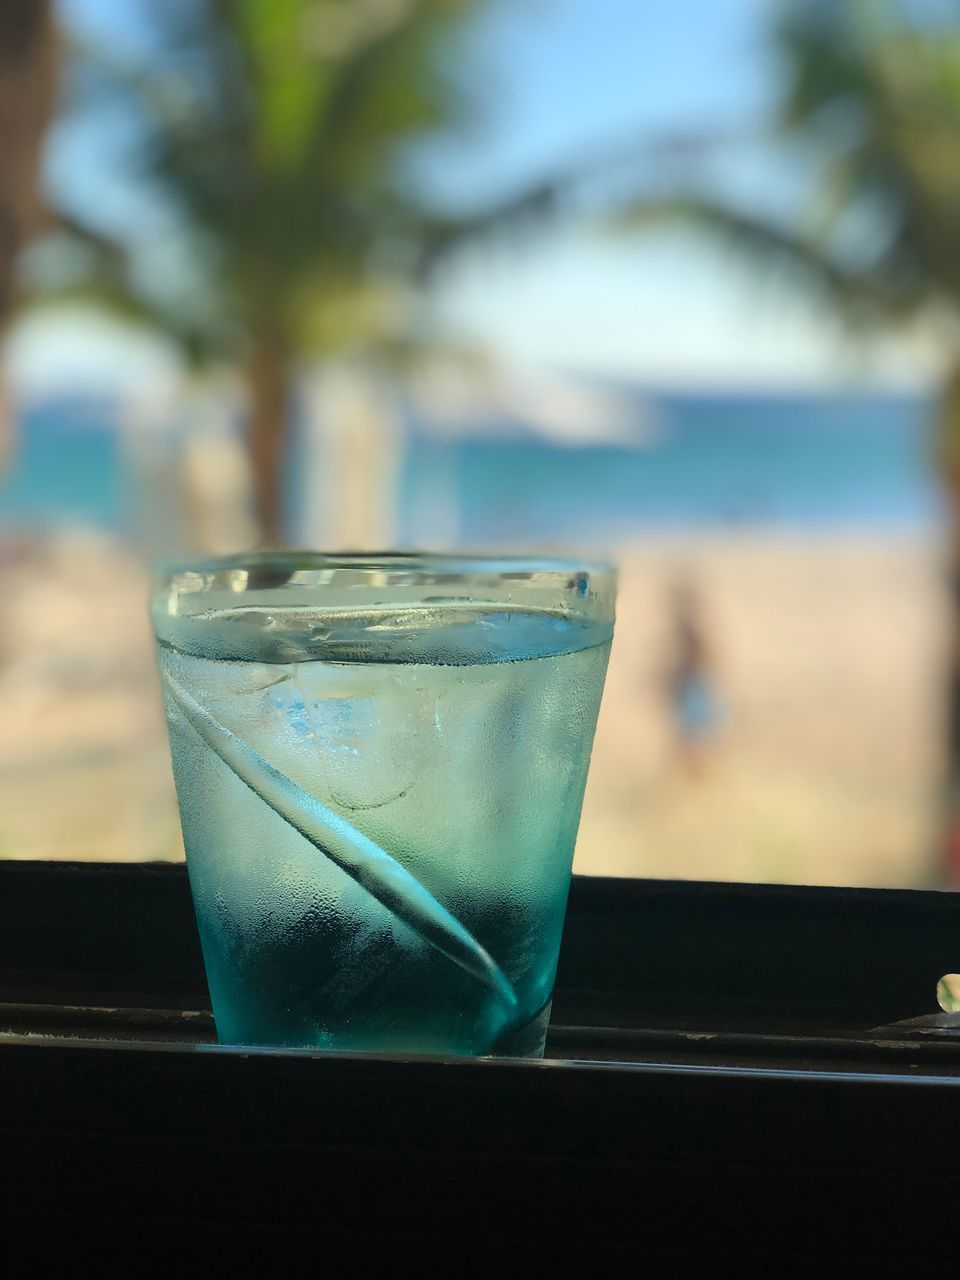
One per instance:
[(856, 293), (585, 186)]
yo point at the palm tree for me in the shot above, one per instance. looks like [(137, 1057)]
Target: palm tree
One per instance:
[(274, 136), (27, 61), (872, 96)]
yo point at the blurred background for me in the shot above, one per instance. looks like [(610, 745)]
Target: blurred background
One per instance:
[(677, 284)]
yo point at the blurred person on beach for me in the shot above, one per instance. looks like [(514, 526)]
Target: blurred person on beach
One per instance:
[(693, 704)]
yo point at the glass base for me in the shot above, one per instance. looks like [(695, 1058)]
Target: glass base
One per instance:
[(527, 1041)]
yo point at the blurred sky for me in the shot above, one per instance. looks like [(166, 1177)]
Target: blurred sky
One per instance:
[(558, 80)]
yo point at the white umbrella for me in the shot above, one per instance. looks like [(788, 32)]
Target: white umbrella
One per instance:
[(559, 408)]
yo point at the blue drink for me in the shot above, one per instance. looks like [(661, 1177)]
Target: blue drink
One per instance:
[(380, 766)]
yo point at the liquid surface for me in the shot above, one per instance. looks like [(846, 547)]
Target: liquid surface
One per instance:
[(379, 811), (450, 635)]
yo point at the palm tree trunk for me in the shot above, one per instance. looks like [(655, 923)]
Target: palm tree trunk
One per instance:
[(27, 57), (268, 377), (27, 65)]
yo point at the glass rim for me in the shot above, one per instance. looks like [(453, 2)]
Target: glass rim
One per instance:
[(386, 580), (305, 562)]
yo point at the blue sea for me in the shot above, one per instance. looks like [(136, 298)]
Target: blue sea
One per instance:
[(810, 461)]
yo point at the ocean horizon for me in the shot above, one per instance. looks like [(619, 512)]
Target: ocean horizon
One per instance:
[(811, 461)]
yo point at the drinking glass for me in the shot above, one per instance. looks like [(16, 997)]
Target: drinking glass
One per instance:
[(380, 762)]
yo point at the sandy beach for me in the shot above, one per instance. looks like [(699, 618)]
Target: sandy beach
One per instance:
[(826, 653), (83, 759), (827, 658)]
